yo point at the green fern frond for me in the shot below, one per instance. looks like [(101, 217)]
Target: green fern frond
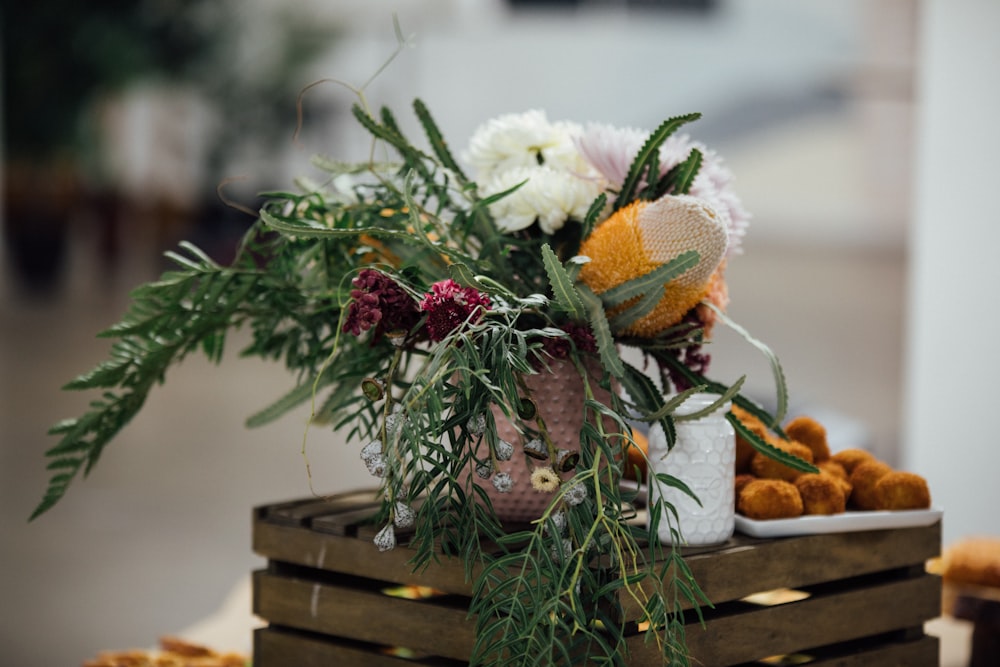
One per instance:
[(645, 156), (606, 345), (679, 178), (769, 450), (652, 281), (781, 386), (562, 285), (437, 140)]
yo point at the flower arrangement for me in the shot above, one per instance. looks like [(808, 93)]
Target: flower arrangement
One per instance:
[(414, 302)]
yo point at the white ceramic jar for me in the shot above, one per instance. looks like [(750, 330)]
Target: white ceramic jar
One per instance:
[(703, 457)]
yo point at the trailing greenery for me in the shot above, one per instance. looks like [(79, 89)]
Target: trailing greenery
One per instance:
[(424, 401)]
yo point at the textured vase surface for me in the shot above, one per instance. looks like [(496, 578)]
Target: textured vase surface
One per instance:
[(703, 457), (559, 396)]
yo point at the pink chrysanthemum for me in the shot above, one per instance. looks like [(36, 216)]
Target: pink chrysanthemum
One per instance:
[(611, 151), (448, 305)]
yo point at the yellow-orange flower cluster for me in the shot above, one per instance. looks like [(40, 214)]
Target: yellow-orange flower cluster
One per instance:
[(645, 235)]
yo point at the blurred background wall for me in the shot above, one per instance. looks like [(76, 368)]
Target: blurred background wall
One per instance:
[(116, 142)]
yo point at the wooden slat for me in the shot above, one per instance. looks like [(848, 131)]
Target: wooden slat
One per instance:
[(813, 622), (369, 616), (352, 556), (302, 512), (747, 565), (922, 652), (274, 647), (885, 591)]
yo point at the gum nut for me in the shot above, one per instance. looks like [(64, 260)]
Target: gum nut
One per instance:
[(376, 466), (385, 539), (536, 449), (476, 425), (484, 470), (505, 450), (502, 482), (373, 448), (557, 520), (576, 493), (404, 515)]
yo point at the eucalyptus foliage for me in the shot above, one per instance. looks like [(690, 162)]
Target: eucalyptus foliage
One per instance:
[(551, 593)]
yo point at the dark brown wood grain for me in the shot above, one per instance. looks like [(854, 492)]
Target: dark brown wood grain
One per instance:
[(363, 614), (868, 596)]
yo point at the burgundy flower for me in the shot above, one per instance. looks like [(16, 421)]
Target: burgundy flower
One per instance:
[(377, 301), (448, 305), (580, 336)]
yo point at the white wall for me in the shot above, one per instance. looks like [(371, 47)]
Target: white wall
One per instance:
[(953, 360)]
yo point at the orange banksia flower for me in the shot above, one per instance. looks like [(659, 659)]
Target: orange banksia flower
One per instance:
[(645, 235)]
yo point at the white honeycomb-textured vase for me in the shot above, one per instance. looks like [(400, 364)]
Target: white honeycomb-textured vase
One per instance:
[(703, 457)]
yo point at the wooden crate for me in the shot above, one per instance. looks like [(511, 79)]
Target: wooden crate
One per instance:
[(864, 596)]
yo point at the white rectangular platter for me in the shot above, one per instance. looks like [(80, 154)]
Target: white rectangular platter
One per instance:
[(837, 523)]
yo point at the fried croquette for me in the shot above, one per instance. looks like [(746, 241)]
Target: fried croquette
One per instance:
[(636, 453), (764, 499), (837, 472), (850, 458), (863, 479), (739, 483), (821, 494), (902, 491), (744, 450), (810, 433), (832, 468), (973, 560), (765, 467)]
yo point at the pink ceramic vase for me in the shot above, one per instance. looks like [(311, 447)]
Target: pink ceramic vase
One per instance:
[(559, 398)]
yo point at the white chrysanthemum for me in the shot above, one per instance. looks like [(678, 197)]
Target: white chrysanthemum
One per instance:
[(523, 140), (552, 197)]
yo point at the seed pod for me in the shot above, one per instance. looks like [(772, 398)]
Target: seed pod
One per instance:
[(526, 409), (373, 448), (476, 424), (575, 493), (396, 337), (403, 515), (536, 449), (556, 520), (505, 451), (376, 466), (385, 539), (484, 470), (503, 482), (373, 389), (566, 460)]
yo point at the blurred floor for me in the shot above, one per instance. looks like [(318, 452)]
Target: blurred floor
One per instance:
[(155, 538)]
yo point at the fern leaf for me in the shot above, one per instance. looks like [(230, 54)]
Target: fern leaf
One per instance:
[(723, 398), (645, 156), (436, 139), (768, 449), (781, 388), (680, 177), (289, 401), (562, 285), (644, 306), (654, 280), (593, 213), (602, 333)]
